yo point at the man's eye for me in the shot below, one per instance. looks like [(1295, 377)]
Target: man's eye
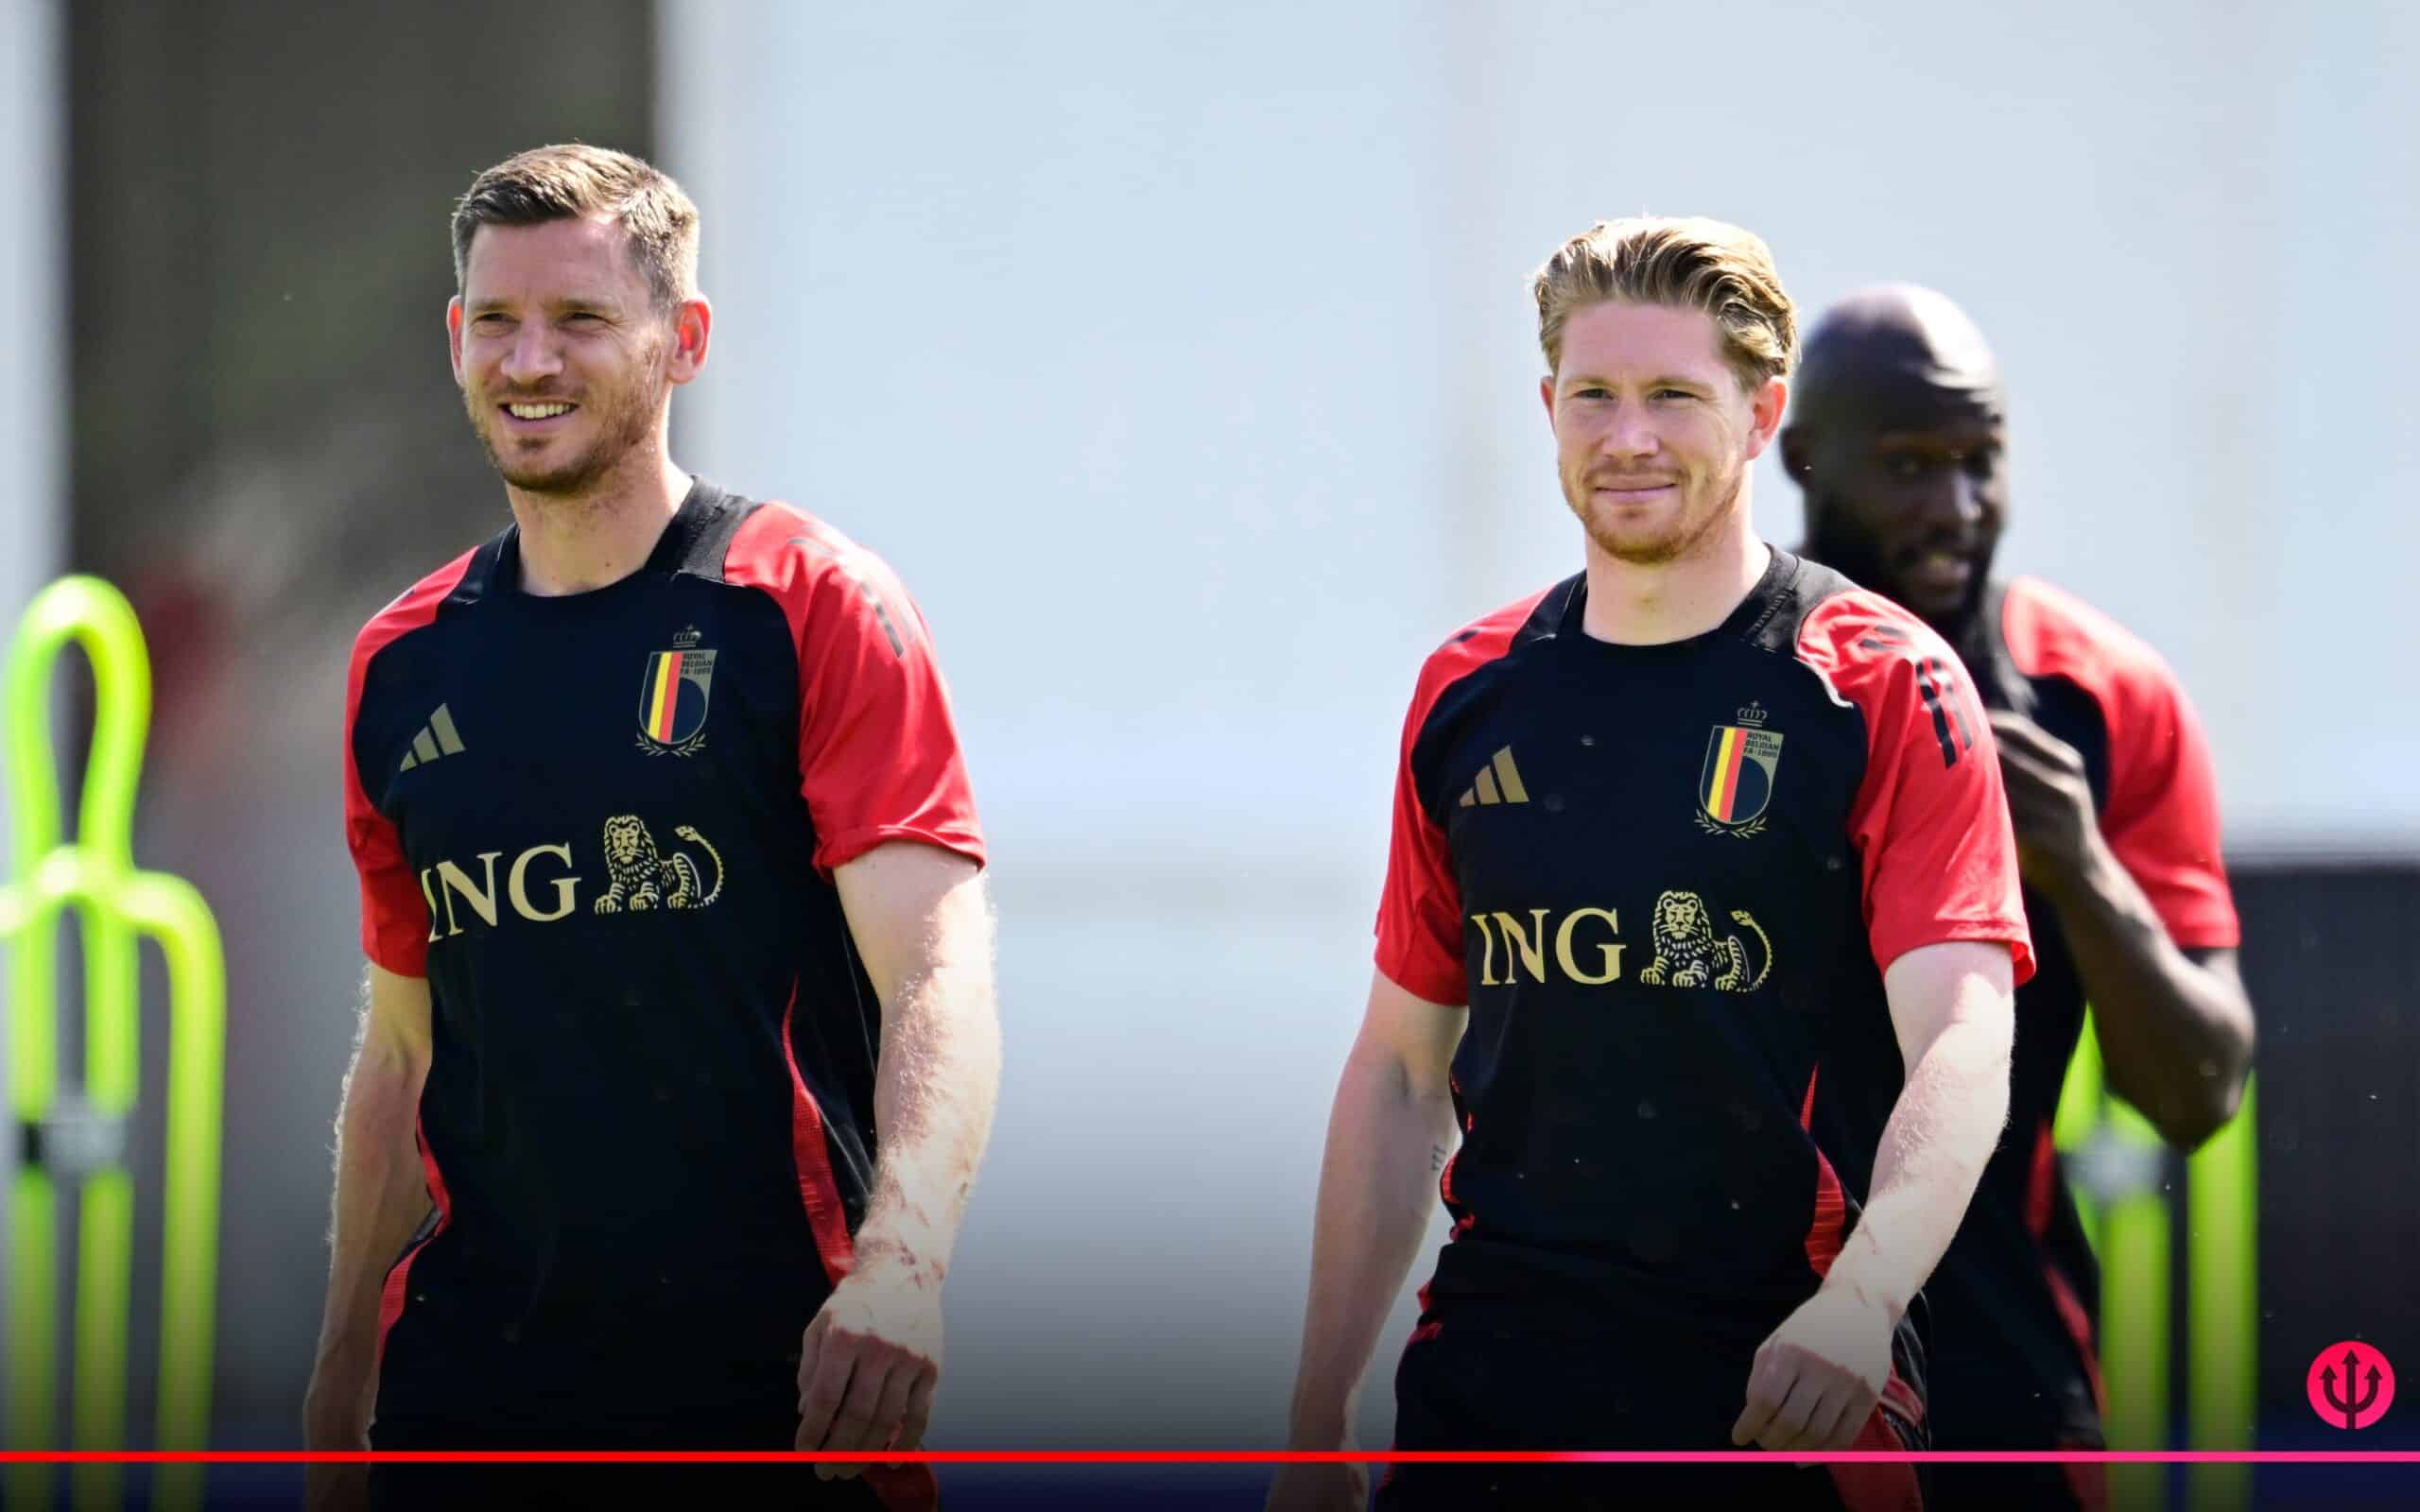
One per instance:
[(1908, 467)]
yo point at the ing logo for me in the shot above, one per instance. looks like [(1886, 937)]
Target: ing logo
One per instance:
[(1689, 954), (1584, 946), (542, 885), (645, 877)]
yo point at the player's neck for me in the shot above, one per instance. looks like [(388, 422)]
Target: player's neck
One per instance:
[(1639, 604), (572, 546)]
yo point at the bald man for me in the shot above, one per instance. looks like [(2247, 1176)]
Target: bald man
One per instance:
[(1898, 440)]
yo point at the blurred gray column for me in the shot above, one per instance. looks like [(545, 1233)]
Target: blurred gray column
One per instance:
[(32, 416), (33, 377)]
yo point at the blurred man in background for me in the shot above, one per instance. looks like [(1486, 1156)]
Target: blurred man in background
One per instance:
[(1684, 847), (1898, 438), (671, 894)]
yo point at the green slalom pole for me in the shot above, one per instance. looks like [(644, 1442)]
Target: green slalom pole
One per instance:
[(79, 1139), (2135, 1343), (2120, 1192), (2222, 1326)]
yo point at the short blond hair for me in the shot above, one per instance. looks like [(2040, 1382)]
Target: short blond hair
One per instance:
[(1689, 262), (574, 182)]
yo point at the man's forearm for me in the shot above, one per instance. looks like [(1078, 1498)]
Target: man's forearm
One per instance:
[(1386, 1143), (1940, 1135), (381, 1196), (934, 1091), (2176, 1037)]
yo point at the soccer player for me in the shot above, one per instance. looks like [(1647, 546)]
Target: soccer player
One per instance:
[(1678, 842), (680, 1052), (1898, 438)]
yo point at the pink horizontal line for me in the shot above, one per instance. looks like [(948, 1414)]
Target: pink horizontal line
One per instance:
[(1209, 1456)]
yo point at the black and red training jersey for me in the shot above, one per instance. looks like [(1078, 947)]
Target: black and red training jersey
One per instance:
[(2013, 1299), (604, 827), (1667, 880)]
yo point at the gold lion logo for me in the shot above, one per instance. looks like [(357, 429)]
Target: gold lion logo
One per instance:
[(645, 877), (1688, 953)]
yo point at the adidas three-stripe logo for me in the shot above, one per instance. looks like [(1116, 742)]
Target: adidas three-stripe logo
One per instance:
[(434, 739), (1500, 781)]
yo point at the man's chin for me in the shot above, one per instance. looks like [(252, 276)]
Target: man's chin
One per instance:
[(1639, 548), (562, 478)]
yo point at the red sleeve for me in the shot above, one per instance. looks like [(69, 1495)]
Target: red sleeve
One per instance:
[(1419, 907), (2161, 816), (877, 749), (1930, 818), (394, 914)]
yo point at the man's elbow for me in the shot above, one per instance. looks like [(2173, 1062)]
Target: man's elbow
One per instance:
[(2208, 1105)]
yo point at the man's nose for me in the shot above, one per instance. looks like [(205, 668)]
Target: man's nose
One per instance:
[(1629, 434), (533, 358), (1953, 498)]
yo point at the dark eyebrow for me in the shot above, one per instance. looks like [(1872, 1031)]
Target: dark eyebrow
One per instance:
[(602, 304)]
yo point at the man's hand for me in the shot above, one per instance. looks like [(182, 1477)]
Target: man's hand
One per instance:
[(329, 1431), (1817, 1378), (337, 1487), (1319, 1489), (2049, 801), (868, 1365)]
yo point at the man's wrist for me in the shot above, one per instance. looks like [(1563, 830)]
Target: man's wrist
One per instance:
[(1862, 1275), (880, 1253), (2092, 878), (335, 1419), (1323, 1427)]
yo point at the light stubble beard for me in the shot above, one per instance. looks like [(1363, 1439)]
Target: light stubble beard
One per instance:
[(627, 428), (1686, 540)]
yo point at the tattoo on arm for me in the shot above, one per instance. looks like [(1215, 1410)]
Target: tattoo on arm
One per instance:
[(1436, 1159)]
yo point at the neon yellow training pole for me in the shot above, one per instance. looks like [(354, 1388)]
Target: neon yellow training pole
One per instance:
[(2128, 1219), (2222, 1323), (84, 1137)]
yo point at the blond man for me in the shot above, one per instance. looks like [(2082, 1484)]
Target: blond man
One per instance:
[(1692, 852)]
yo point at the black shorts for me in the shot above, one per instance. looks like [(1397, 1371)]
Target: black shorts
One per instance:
[(2035, 1486), (1989, 1396), (611, 1392), (1497, 1377), (432, 1486)]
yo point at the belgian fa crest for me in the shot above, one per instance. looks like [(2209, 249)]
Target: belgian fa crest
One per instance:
[(672, 698), (1736, 782)]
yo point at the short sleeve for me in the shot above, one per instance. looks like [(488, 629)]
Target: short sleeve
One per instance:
[(394, 916), (1420, 909), (2162, 818), (2160, 814), (878, 751), (1930, 818), (394, 912)]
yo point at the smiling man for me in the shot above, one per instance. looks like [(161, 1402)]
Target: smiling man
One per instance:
[(671, 893), (1898, 438), (1697, 933)]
